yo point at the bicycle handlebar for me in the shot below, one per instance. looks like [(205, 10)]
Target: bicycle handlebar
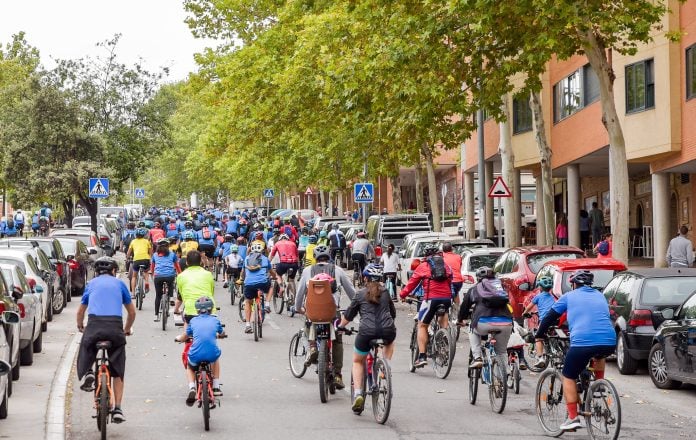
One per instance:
[(347, 331)]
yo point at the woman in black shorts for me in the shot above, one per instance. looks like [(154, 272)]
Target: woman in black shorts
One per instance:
[(377, 315)]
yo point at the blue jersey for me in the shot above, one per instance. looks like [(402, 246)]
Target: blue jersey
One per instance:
[(204, 330), (242, 251), (544, 301), (225, 248), (588, 317), (165, 264), (106, 295), (210, 239), (258, 277), (232, 227)]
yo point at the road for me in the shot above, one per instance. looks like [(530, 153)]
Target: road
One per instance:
[(263, 400)]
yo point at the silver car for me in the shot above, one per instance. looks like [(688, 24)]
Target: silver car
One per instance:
[(6, 319), (31, 312), (87, 236), (23, 259)]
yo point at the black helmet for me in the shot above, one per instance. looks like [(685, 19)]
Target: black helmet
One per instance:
[(431, 249), (188, 224), (484, 272), (105, 265), (582, 277), (322, 252)]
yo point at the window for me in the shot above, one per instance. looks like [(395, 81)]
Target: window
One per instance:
[(574, 92), (689, 309), (521, 114), (690, 72), (590, 84), (536, 261), (640, 86)]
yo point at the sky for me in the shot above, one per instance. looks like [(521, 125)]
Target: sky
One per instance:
[(153, 30)]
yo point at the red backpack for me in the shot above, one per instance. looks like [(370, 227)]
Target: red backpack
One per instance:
[(172, 226), (206, 232)]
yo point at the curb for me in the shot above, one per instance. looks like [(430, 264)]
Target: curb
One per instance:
[(55, 414)]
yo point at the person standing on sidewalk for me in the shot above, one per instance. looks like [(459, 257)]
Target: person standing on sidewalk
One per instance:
[(680, 252), (562, 231), (596, 223), (584, 230)]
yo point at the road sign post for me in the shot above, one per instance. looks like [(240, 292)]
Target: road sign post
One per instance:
[(268, 194), (499, 190)]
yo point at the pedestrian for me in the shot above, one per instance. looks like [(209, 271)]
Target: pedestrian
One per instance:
[(335, 211), (562, 231), (680, 252), (584, 230), (596, 223), (605, 247), (355, 216)]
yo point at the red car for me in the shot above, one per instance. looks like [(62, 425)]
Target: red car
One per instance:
[(517, 269)]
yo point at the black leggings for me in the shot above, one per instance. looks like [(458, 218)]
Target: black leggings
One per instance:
[(159, 287)]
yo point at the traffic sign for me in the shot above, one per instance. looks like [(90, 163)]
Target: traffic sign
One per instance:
[(364, 192), (499, 188), (139, 193), (308, 192), (98, 187), (268, 193)]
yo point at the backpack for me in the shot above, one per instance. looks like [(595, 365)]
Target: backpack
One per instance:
[(492, 294), (603, 247), (128, 237), (338, 241), (44, 212), (172, 227), (319, 303), (206, 233), (288, 230), (19, 218), (254, 259), (438, 268), (325, 268)]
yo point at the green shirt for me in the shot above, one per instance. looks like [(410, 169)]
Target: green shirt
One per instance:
[(193, 283)]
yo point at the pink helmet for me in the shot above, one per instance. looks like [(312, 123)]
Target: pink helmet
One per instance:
[(322, 277)]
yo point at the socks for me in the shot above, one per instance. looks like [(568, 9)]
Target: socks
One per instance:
[(216, 383), (356, 393), (192, 385), (422, 356), (572, 410)]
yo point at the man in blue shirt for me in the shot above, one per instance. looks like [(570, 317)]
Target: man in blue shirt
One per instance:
[(592, 336), (257, 272), (104, 300), (543, 301)]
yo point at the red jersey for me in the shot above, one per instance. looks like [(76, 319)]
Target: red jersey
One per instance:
[(286, 250), (156, 234), (432, 289), (455, 262)]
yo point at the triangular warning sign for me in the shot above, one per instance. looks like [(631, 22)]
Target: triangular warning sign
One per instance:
[(364, 194), (98, 189), (309, 191), (499, 188)]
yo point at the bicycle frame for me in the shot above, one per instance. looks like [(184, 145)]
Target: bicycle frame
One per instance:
[(204, 369)]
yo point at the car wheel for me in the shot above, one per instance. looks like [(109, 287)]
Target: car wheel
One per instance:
[(657, 368), (5, 401), (49, 309), (58, 301), (624, 362), (26, 355), (38, 343)]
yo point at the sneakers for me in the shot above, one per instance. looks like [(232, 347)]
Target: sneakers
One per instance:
[(571, 424), (217, 392), (191, 398), (88, 382), (247, 329), (267, 309), (476, 363), (420, 362), (156, 318), (312, 357), (117, 415), (225, 285), (540, 363), (358, 404), (338, 382)]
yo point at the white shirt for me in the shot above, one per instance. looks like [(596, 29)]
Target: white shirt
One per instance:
[(389, 263)]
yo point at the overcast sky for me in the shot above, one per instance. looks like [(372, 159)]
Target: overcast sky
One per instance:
[(68, 29)]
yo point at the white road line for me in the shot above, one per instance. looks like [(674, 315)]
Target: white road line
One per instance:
[(55, 416)]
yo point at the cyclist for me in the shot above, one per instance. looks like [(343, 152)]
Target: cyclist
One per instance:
[(157, 233), (435, 277), (323, 239), (592, 336), (286, 250), (322, 255), (302, 243), (165, 268), (140, 252), (490, 312), (337, 241), (543, 301), (104, 300), (232, 226), (361, 251), (289, 230), (309, 252), (206, 244), (10, 228), (189, 244), (257, 268), (203, 330), (454, 260), (390, 262), (233, 266), (19, 221), (127, 236), (193, 283), (188, 227), (35, 223), (377, 314), (172, 229), (242, 247)]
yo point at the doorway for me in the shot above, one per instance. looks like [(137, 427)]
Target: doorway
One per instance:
[(673, 215), (639, 218)]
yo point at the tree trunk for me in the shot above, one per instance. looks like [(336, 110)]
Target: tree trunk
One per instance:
[(511, 220), (618, 164), (67, 211), (432, 188), (322, 203), (546, 173), (395, 182), (341, 209), (420, 203), (92, 207)]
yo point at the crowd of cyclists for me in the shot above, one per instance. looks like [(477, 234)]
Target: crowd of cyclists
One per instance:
[(184, 247)]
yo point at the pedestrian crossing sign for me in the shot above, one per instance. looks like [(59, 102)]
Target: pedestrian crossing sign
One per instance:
[(139, 193), (98, 187), (268, 193), (364, 192)]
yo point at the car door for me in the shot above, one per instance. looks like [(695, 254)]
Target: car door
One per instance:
[(682, 342)]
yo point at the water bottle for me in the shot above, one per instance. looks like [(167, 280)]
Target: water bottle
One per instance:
[(486, 373)]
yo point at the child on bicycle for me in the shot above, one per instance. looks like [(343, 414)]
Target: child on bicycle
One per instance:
[(233, 265), (203, 330), (543, 301)]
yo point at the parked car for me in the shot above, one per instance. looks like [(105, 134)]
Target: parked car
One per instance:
[(474, 258), (30, 312), (383, 230), (320, 223), (106, 231), (87, 236), (517, 269), (27, 264), (48, 273), (671, 358), (636, 299), (8, 303), (408, 238), (459, 244), (79, 262), (11, 320)]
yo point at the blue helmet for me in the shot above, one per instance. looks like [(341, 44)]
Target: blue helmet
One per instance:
[(546, 283), (373, 272), (140, 232), (204, 305), (188, 235)]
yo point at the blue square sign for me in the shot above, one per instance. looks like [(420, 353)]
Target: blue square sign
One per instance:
[(98, 187), (364, 192)]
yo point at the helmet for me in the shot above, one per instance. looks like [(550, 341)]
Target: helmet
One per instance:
[(44, 205), (188, 235), (140, 232), (313, 239), (484, 272), (105, 265), (431, 249), (217, 229), (163, 242), (321, 252), (284, 237), (581, 277), (373, 272), (322, 234), (256, 247), (188, 224), (546, 283), (240, 240), (204, 305), (335, 226), (323, 277), (141, 224), (130, 225), (229, 238), (172, 240), (305, 230), (234, 248), (361, 234)]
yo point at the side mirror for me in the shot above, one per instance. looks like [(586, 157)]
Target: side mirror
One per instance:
[(17, 293), (10, 317), (524, 286), (667, 313), (92, 251), (4, 368), (38, 289)]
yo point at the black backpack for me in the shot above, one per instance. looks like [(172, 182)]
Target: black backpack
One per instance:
[(330, 269), (338, 241), (10, 223), (438, 268)]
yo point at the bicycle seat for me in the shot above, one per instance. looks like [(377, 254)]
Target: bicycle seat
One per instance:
[(376, 342), (103, 345)]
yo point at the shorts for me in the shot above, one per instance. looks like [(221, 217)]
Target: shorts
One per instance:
[(289, 268), (103, 328), (456, 287), (194, 365), (427, 310), (233, 271), (207, 249), (136, 265), (577, 358), (250, 290), (188, 318), (361, 345)]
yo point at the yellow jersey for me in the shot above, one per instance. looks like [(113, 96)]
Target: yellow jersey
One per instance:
[(187, 246), (142, 249), (309, 255)]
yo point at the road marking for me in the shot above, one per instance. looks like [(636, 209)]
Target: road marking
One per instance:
[(274, 326), (55, 416)]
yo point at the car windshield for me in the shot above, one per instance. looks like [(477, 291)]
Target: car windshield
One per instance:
[(476, 261), (535, 261), (668, 291), (8, 275), (68, 246), (47, 248), (460, 247), (12, 261), (601, 279)]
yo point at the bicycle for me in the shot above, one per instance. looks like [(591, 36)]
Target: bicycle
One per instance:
[(164, 305), (514, 376), (377, 379), (492, 373), (440, 347), (326, 334), (103, 393), (235, 290), (285, 300), (338, 260), (298, 352), (140, 289), (258, 314)]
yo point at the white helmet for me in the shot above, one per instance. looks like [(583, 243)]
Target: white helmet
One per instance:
[(256, 247)]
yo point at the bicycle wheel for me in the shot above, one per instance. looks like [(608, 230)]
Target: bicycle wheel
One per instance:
[(290, 297), (233, 292), (279, 300), (323, 371), (382, 392), (531, 355), (497, 389), (414, 349), (550, 406), (205, 400), (164, 305), (299, 347), (514, 377), (259, 318), (442, 353), (473, 374), (242, 305), (603, 411), (140, 292), (103, 405)]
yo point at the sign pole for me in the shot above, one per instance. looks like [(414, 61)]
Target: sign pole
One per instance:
[(500, 235)]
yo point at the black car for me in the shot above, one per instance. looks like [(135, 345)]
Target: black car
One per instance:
[(636, 299), (79, 262), (673, 353)]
